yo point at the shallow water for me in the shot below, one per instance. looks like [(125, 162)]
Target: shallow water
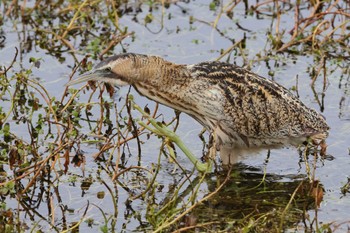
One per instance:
[(182, 42)]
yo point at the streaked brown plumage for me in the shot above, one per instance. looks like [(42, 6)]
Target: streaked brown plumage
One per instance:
[(242, 110)]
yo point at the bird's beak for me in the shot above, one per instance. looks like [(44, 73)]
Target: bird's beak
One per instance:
[(92, 76)]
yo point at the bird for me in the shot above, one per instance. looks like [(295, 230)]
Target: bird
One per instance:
[(243, 111)]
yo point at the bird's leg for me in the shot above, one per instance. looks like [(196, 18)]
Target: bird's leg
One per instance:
[(164, 131), (228, 155)]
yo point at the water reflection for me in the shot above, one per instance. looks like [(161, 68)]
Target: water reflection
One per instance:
[(252, 194)]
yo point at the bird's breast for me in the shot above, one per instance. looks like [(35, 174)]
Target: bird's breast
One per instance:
[(173, 98)]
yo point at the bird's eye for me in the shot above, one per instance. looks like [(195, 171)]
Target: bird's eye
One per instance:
[(108, 69)]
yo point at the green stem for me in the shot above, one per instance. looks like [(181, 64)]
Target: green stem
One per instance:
[(162, 130)]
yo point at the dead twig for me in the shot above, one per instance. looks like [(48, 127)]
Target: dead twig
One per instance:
[(3, 72)]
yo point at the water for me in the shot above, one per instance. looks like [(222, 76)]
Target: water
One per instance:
[(178, 40)]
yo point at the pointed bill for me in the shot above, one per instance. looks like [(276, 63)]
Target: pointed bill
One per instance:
[(83, 78), (102, 75)]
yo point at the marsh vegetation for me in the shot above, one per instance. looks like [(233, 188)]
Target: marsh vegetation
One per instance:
[(78, 159)]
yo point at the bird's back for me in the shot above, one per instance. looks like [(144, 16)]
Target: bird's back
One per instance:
[(256, 110)]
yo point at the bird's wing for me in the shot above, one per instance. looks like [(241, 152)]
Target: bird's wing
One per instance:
[(256, 107)]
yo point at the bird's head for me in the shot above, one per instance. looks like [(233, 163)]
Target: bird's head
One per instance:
[(118, 70)]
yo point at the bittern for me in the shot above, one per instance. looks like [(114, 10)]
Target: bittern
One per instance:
[(243, 111)]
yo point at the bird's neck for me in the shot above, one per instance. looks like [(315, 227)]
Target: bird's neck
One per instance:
[(162, 81), (174, 86), (159, 75)]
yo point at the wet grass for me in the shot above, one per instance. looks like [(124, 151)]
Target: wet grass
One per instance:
[(45, 137)]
